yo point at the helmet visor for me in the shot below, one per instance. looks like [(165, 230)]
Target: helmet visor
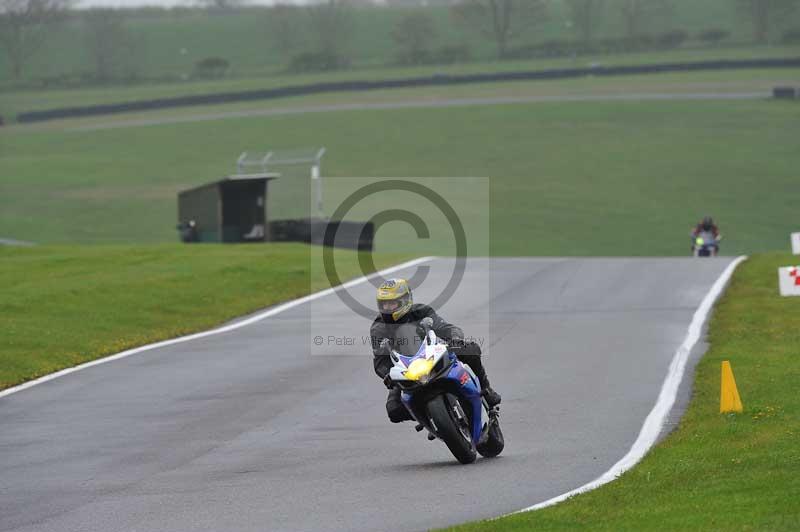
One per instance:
[(387, 307)]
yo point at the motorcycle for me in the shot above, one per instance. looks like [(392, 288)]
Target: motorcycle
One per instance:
[(706, 244), (444, 397)]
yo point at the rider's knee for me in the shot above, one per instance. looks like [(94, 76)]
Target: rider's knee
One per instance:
[(471, 349)]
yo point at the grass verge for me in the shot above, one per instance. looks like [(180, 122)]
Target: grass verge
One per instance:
[(715, 472), (63, 306)]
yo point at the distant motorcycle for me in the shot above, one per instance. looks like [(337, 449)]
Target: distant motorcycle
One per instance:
[(444, 396), (706, 244)]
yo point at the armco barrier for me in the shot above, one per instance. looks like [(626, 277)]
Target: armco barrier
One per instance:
[(354, 86)]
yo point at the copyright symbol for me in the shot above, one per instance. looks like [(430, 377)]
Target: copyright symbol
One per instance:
[(318, 340), (366, 261)]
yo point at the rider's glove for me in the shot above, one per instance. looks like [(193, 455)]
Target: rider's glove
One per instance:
[(456, 342), (388, 382), (385, 347), (425, 325)]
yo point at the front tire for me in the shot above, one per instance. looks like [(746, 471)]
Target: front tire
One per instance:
[(440, 410)]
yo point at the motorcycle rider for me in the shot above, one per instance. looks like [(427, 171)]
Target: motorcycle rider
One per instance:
[(396, 308), (706, 225)]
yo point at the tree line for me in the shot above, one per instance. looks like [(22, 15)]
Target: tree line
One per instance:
[(504, 21), (319, 36)]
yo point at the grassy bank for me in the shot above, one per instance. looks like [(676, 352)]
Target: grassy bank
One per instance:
[(715, 472), (590, 178), (62, 306)]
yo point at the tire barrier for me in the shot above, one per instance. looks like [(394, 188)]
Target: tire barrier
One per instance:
[(349, 235), (785, 93), (429, 81)]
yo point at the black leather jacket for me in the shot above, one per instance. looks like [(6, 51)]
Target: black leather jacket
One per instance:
[(381, 330)]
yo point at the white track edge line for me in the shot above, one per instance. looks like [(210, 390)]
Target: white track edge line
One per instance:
[(253, 319), (666, 398)]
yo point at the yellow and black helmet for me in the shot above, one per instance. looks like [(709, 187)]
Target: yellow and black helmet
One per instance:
[(394, 299)]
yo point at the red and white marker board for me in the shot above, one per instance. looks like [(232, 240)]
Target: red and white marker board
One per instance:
[(789, 280), (796, 243)]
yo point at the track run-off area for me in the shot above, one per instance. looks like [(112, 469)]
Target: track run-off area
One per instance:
[(254, 427)]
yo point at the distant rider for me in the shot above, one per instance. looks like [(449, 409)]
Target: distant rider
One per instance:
[(706, 225), (396, 307)]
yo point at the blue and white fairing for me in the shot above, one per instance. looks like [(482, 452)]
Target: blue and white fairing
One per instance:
[(420, 372)]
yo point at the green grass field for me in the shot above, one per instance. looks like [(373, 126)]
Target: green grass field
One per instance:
[(715, 472), (62, 306), (614, 178)]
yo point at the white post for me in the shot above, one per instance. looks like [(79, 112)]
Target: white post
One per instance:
[(315, 177), (317, 174), (796, 243)]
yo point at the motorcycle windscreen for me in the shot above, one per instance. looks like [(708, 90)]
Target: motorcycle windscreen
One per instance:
[(406, 340), (707, 237)]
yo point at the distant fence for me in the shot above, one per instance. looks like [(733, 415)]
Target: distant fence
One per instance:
[(435, 80)]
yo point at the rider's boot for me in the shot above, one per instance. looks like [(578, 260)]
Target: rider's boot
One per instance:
[(492, 397), (395, 408)]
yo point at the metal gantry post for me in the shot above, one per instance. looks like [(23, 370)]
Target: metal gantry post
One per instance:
[(274, 159)]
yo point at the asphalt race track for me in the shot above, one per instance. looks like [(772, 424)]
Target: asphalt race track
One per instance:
[(257, 429), (435, 103)]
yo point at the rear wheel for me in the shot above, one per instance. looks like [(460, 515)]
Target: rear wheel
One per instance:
[(452, 426)]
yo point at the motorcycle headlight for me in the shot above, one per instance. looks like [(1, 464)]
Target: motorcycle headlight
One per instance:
[(419, 370)]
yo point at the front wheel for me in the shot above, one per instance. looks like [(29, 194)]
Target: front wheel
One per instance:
[(452, 426)]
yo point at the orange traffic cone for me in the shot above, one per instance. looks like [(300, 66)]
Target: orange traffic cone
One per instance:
[(729, 400)]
